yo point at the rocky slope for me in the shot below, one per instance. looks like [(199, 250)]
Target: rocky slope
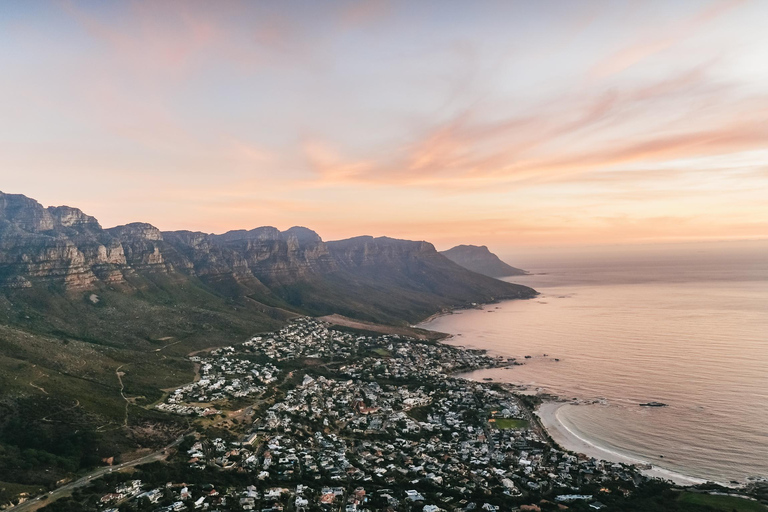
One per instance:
[(479, 259)]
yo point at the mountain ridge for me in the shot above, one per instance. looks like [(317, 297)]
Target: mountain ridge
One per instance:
[(65, 250)]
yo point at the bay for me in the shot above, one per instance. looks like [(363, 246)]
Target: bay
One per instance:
[(688, 330)]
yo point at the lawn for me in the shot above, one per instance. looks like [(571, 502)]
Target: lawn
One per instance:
[(508, 423), (381, 352), (724, 503)]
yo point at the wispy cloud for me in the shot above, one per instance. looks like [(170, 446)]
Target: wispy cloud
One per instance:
[(452, 123), (568, 136), (658, 41)]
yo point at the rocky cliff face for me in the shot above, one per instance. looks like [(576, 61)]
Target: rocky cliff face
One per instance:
[(57, 245), (62, 248), (279, 257), (364, 251)]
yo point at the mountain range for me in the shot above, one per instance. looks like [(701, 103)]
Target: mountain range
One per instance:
[(90, 316), (63, 250)]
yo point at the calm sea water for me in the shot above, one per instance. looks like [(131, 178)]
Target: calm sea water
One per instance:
[(689, 330)]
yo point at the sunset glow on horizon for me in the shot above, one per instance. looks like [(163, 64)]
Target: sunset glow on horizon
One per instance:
[(498, 123)]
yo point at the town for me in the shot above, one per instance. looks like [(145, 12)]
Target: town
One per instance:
[(312, 418)]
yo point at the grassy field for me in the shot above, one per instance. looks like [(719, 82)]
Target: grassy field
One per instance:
[(508, 423), (724, 503)]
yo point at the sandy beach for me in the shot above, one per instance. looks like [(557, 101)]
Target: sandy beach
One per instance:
[(548, 413)]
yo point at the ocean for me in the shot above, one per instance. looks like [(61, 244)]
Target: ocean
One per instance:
[(687, 327)]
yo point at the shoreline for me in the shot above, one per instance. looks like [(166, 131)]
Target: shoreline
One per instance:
[(478, 305), (547, 413), (431, 317), (450, 311)]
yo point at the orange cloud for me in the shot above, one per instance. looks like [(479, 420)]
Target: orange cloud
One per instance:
[(461, 154), (330, 166)]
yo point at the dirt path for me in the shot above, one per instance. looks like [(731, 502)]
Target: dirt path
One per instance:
[(168, 345), (38, 387), (122, 389), (48, 418)]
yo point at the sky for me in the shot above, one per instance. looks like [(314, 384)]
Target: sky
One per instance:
[(509, 124)]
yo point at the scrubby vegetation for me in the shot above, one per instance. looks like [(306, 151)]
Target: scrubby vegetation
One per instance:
[(61, 407)]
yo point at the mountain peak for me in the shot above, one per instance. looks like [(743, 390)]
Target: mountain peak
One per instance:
[(134, 230), (69, 217), (303, 235), (478, 258), (22, 212), (257, 234), (469, 247)]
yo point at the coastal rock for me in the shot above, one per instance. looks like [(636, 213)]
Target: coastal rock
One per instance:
[(653, 404)]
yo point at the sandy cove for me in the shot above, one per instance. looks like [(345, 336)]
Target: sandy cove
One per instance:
[(569, 440)]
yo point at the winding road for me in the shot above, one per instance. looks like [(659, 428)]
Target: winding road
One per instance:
[(45, 499)]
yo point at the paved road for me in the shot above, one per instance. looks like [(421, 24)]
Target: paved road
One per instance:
[(59, 492)]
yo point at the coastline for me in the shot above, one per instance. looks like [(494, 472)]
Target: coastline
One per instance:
[(431, 317), (569, 440), (529, 328), (566, 438), (475, 305), (453, 310)]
